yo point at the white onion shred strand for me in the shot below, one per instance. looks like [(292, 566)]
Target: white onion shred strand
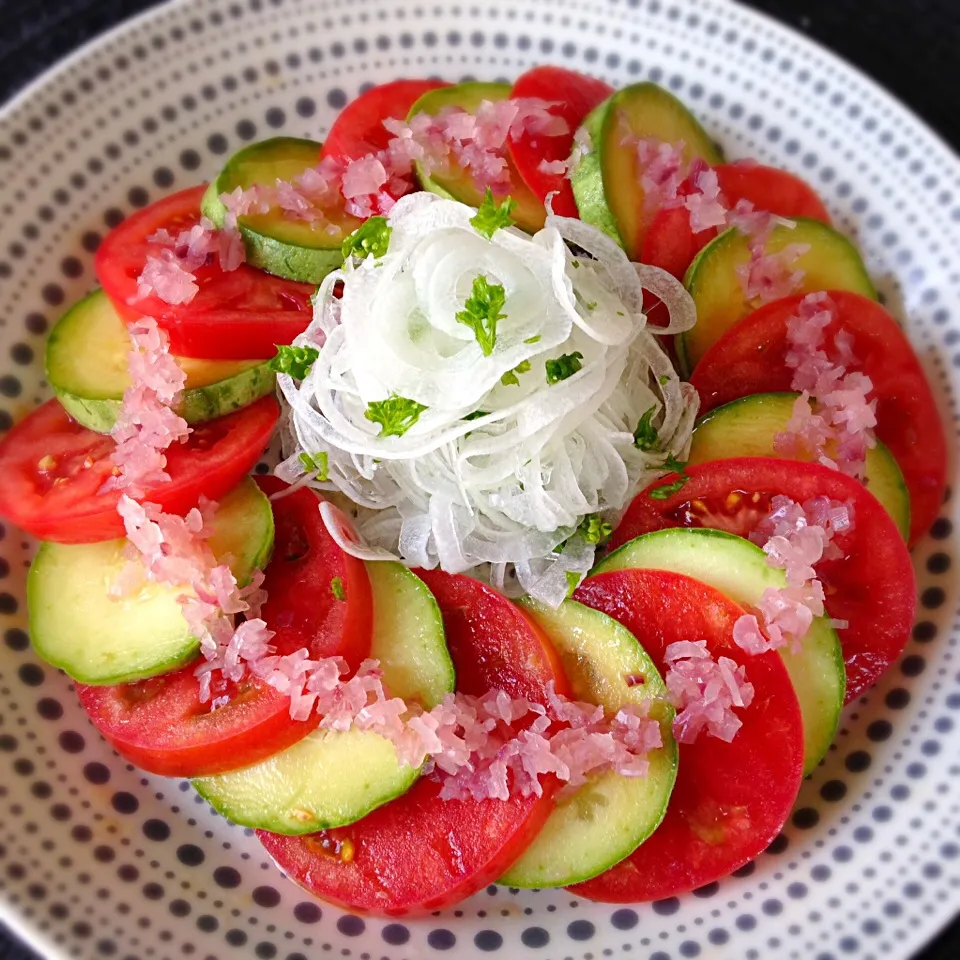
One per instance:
[(493, 478)]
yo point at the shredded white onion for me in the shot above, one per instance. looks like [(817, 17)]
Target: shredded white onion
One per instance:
[(496, 494)]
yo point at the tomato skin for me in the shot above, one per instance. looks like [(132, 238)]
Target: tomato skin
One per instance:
[(212, 461), (238, 315), (873, 587), (670, 242), (488, 639), (730, 799), (359, 130), (406, 840), (300, 603), (750, 358), (420, 853), (160, 724), (574, 96)]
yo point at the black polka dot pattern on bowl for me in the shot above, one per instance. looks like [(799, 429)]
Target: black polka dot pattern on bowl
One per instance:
[(103, 860)]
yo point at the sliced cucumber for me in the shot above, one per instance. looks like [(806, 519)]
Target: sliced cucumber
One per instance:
[(457, 183), (606, 182), (86, 365), (77, 626), (746, 428), (608, 818), (832, 263), (739, 569), (586, 178), (332, 778), (418, 668), (295, 249)]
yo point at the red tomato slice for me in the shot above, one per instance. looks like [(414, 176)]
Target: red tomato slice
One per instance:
[(572, 96), (53, 470), (671, 244), (240, 315), (301, 605), (749, 359), (359, 129), (420, 853), (161, 725), (872, 588), (730, 799)]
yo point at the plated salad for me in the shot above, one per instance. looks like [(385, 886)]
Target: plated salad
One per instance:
[(600, 465)]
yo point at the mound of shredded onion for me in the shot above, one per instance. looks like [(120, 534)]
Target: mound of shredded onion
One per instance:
[(493, 477)]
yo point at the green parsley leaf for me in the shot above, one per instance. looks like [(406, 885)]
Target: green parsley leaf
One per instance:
[(563, 367), (476, 415), (535, 339), (396, 415), (667, 491), (481, 312), (336, 588), (575, 264), (316, 463), (573, 581), (592, 305), (491, 216), (594, 530), (645, 437), (678, 466), (371, 239), (295, 361), (664, 380), (510, 377)]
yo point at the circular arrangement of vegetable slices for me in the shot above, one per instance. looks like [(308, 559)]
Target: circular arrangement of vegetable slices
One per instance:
[(513, 569)]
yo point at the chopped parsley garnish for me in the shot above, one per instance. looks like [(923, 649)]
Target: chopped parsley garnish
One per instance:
[(645, 437), (592, 305), (491, 216), (476, 415), (510, 377), (667, 491), (295, 361), (573, 581), (396, 415), (481, 312), (336, 588), (316, 463), (664, 380), (594, 530), (563, 367), (535, 339), (371, 239)]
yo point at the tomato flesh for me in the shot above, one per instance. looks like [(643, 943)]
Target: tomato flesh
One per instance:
[(301, 603), (671, 243), (750, 358), (730, 799), (359, 130), (53, 470), (161, 725), (872, 588), (571, 95), (420, 853), (242, 314)]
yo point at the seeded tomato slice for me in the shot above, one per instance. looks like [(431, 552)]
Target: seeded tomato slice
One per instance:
[(420, 853), (730, 799)]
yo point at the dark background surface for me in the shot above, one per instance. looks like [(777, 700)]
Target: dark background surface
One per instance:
[(911, 47)]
